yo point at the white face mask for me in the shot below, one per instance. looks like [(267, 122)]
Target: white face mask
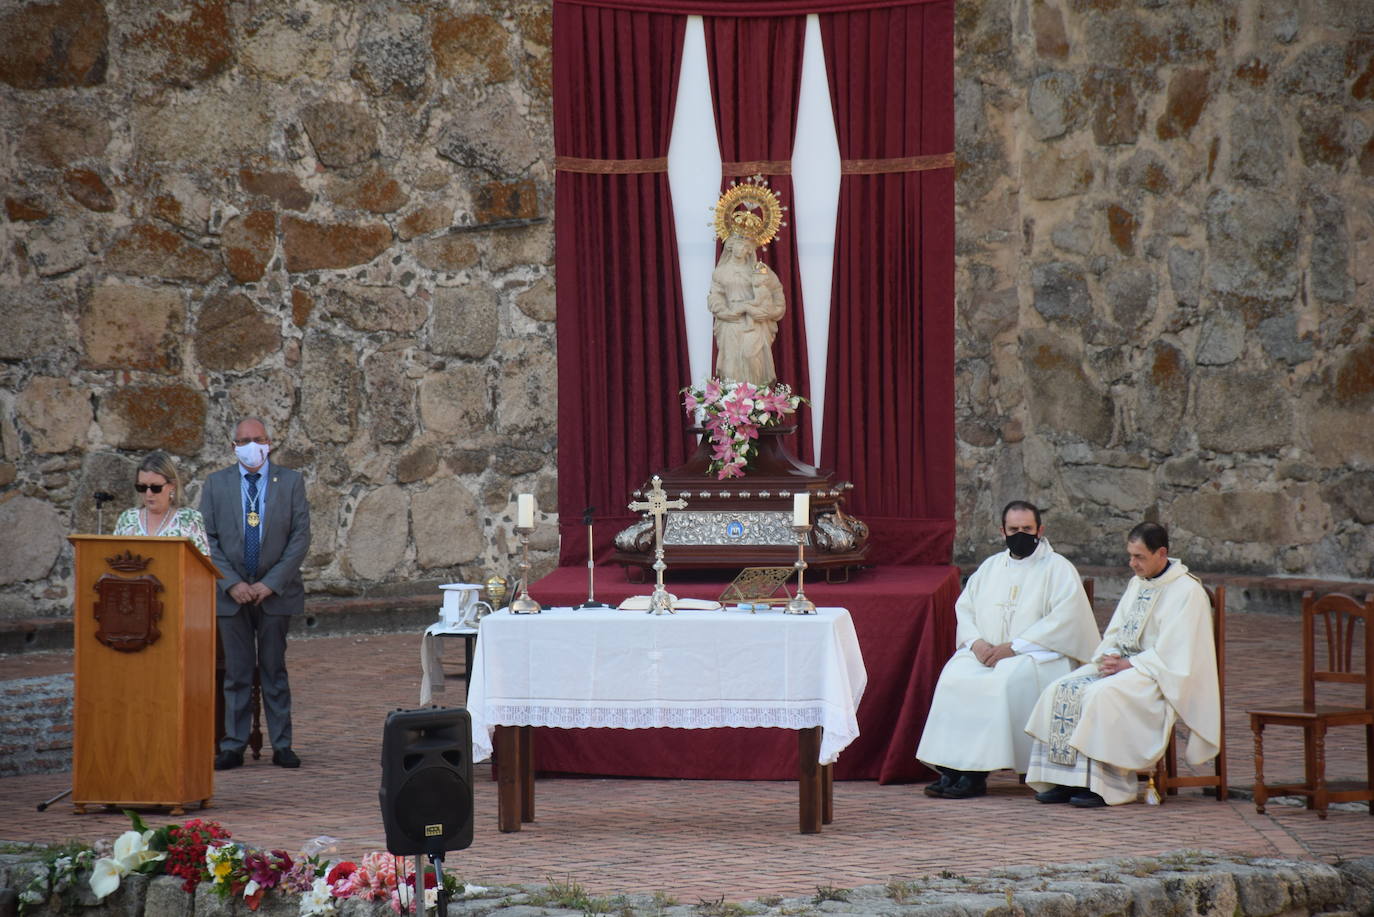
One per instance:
[(252, 455)]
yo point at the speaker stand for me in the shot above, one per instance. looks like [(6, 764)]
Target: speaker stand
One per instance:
[(437, 860)]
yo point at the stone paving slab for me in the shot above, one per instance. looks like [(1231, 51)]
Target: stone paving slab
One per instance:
[(709, 839)]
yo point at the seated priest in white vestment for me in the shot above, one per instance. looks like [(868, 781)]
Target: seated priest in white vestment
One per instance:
[(1097, 727), (1023, 621)]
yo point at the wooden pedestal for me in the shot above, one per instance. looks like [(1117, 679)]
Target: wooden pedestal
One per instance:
[(742, 522)]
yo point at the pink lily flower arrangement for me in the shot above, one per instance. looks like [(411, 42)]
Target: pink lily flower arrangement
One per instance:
[(733, 413)]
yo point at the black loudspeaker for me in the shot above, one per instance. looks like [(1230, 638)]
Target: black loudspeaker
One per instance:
[(426, 790)]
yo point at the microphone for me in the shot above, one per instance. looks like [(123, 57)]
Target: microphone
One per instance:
[(588, 515)]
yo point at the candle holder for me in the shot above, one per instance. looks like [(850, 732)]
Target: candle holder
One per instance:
[(800, 604), (524, 604)]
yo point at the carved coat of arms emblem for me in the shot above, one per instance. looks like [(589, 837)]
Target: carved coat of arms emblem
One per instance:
[(128, 608)]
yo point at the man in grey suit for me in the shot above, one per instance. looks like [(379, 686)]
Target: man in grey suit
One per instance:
[(259, 528)]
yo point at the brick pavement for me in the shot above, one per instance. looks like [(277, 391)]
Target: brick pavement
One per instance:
[(705, 839)]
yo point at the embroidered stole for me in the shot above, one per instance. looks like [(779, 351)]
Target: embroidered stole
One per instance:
[(1068, 694)]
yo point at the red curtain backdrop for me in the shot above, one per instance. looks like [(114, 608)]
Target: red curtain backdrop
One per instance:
[(746, 7), (755, 67), (889, 407), (622, 345), (889, 397)]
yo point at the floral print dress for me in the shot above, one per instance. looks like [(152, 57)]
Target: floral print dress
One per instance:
[(183, 523)]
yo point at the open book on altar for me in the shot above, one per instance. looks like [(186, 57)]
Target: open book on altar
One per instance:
[(641, 603)]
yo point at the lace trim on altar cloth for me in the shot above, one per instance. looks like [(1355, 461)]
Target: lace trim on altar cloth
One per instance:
[(651, 718)]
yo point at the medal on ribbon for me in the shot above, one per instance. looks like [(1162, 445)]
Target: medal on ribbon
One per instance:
[(253, 518)]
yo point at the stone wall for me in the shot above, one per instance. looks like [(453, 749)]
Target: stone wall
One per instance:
[(1184, 882), (1164, 272), (335, 215)]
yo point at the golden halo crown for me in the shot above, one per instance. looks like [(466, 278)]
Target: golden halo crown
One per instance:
[(750, 209)]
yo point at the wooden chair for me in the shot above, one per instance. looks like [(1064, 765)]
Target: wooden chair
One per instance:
[(1339, 617), (1166, 776)]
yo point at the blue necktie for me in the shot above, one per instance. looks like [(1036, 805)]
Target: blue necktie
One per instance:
[(252, 530)]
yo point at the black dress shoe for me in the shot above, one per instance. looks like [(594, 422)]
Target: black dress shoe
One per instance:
[(937, 789), (1058, 794), (1086, 800), (968, 786), (228, 760), (285, 757)]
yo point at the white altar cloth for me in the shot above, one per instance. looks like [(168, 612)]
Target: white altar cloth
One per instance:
[(691, 670)]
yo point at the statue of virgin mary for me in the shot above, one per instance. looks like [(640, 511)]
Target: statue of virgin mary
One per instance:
[(746, 297)]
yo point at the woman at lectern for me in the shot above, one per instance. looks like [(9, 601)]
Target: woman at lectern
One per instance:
[(159, 490)]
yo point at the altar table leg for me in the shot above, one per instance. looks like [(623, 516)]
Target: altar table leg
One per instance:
[(827, 794), (508, 778), (527, 773), (809, 782)]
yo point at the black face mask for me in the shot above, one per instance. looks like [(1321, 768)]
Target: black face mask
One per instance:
[(1021, 544)]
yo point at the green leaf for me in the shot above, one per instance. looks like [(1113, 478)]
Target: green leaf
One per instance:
[(161, 839), (136, 820)]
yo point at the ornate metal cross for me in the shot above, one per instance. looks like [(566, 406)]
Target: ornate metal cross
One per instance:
[(657, 505)]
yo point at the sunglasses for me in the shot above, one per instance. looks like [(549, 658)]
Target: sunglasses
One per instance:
[(144, 488)]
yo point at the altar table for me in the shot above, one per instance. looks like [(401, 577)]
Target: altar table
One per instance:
[(904, 618), (691, 670)]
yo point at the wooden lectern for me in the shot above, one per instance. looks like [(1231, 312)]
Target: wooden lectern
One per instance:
[(145, 673)]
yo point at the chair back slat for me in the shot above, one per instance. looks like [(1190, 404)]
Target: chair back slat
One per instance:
[(1345, 626), (1217, 597)]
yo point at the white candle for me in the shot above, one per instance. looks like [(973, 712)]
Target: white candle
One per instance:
[(801, 509), (524, 512)]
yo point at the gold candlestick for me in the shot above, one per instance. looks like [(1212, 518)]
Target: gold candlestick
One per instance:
[(524, 604), (800, 604)]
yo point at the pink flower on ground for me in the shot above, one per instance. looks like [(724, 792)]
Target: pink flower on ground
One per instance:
[(340, 871), (375, 877)]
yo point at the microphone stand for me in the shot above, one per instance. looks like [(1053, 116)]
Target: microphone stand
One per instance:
[(101, 498), (591, 564)]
